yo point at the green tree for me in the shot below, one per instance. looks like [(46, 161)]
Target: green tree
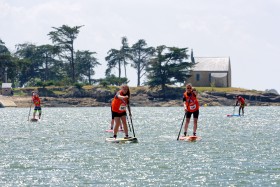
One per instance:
[(168, 66), (27, 63), (117, 58), (50, 65), (6, 63), (64, 37), (140, 57), (113, 80), (86, 63)]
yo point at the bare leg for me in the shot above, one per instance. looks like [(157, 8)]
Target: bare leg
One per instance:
[(117, 124), (121, 125), (194, 126), (34, 113), (112, 123), (124, 124), (239, 110), (186, 126)]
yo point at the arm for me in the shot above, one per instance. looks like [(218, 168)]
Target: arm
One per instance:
[(236, 103), (184, 101), (120, 96)]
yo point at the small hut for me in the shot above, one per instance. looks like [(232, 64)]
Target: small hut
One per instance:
[(7, 89)]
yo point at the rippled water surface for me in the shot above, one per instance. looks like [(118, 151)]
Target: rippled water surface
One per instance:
[(67, 148)]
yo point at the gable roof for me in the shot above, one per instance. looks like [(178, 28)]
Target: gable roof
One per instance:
[(212, 64)]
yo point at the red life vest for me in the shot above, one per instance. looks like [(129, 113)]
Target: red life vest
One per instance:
[(119, 105), (191, 102), (36, 100), (241, 100)]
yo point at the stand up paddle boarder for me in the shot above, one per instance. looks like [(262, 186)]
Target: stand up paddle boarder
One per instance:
[(191, 106), (119, 104), (241, 101), (37, 102)]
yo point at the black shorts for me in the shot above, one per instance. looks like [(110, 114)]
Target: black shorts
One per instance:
[(115, 114), (37, 108), (195, 114)]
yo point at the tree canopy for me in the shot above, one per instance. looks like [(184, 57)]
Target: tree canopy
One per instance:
[(60, 64)]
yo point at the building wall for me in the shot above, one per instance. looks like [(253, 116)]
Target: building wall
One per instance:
[(220, 82), (229, 75), (205, 79), (6, 91)]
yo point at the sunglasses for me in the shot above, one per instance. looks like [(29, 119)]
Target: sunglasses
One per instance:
[(189, 88)]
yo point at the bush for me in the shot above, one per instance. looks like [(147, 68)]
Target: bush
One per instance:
[(78, 85)]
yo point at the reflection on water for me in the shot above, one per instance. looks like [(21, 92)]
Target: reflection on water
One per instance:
[(67, 148)]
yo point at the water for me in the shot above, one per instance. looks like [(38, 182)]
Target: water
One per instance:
[(67, 148)]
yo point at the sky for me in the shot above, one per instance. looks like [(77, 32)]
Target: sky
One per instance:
[(246, 31)]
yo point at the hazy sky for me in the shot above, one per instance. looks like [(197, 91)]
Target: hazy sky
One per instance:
[(247, 31)]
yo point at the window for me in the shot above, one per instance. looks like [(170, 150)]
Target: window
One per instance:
[(209, 78), (197, 77)]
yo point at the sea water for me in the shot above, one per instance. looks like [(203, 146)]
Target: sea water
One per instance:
[(67, 148)]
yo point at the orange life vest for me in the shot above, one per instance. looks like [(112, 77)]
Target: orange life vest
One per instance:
[(191, 102), (36, 101), (119, 105)]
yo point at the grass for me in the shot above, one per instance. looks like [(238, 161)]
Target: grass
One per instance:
[(61, 90), (229, 89)]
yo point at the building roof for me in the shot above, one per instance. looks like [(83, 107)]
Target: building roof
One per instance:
[(212, 64)]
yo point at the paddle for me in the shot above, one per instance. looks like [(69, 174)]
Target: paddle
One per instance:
[(128, 123), (131, 120), (181, 126), (29, 111), (233, 110)]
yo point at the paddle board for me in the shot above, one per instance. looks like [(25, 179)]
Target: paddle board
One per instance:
[(233, 115), (33, 120), (112, 130), (122, 140), (190, 138)]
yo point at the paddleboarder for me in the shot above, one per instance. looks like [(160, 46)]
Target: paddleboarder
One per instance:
[(191, 106), (241, 101), (37, 102), (119, 104)]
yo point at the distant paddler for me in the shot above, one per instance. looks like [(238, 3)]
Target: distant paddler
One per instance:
[(37, 102), (241, 101), (119, 105)]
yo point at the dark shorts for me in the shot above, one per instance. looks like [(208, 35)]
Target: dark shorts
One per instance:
[(115, 114), (195, 114), (37, 108)]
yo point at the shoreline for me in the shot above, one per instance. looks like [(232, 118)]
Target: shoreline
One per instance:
[(136, 101)]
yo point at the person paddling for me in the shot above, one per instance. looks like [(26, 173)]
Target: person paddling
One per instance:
[(191, 106), (119, 104), (241, 101), (37, 102)]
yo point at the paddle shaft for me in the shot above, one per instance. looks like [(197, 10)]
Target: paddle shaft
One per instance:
[(131, 120), (128, 123), (181, 126), (29, 111)]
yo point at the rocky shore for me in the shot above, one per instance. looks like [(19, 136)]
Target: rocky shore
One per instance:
[(140, 97)]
